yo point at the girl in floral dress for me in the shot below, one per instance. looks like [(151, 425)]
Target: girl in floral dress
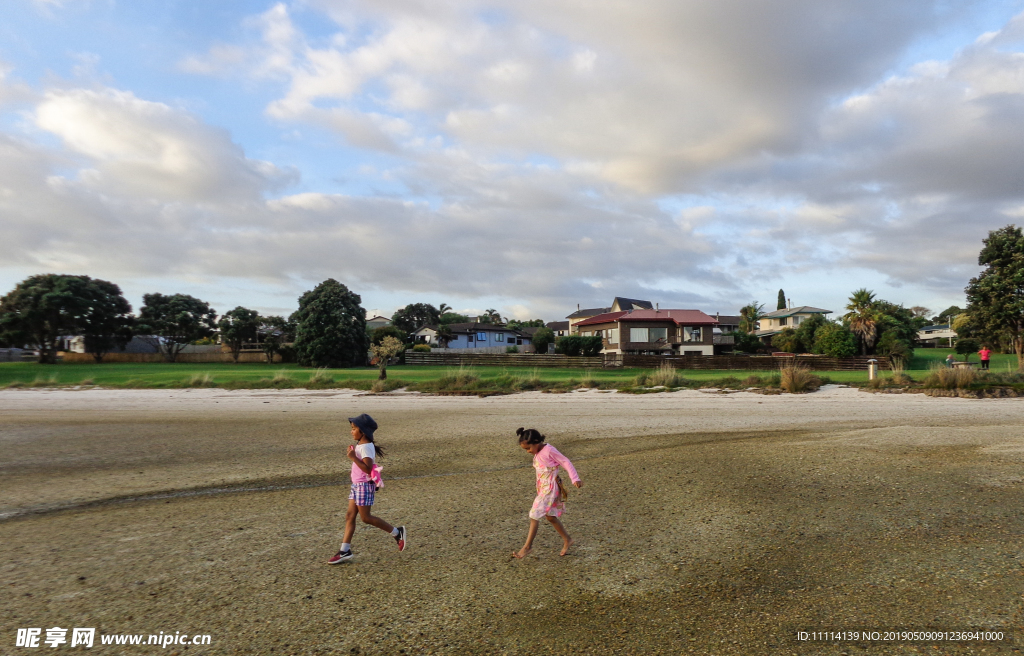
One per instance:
[(550, 492)]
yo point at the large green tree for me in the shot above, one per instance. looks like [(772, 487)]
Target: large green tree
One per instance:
[(862, 317), (237, 327), (781, 305), (43, 308), (414, 316), (995, 298), (835, 340), (541, 339), (330, 327), (174, 321)]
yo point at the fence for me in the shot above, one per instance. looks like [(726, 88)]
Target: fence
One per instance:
[(502, 360), (727, 362), (209, 356)]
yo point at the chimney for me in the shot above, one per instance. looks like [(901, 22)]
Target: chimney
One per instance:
[(790, 304), (577, 307), (657, 307)]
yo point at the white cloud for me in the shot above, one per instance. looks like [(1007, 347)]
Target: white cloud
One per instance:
[(149, 150)]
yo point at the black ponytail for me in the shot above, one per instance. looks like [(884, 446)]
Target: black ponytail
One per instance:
[(530, 436)]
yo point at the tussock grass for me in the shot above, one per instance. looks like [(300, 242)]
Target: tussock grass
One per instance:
[(281, 378), (664, 376), (199, 380), (457, 378), (946, 378), (588, 379), (320, 378), (87, 381), (797, 379), (387, 385)]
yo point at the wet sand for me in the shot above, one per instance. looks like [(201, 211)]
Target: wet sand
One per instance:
[(708, 523)]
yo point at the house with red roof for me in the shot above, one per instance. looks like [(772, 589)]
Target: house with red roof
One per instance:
[(652, 332)]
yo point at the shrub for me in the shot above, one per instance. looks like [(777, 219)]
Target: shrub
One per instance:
[(966, 346), (836, 341), (588, 380), (511, 349), (665, 375), (577, 345), (542, 338), (787, 341), (797, 379), (421, 348)]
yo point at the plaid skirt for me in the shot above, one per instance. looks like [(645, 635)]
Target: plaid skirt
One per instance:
[(362, 493)]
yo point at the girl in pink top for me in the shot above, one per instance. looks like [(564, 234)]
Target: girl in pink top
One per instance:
[(984, 354), (550, 493)]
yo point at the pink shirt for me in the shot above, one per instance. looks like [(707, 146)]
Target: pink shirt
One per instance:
[(363, 451), (550, 457), (984, 353)]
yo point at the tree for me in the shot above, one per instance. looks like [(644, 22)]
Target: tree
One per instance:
[(389, 347), (330, 327), (43, 308), (835, 340), (895, 348), (443, 308), (578, 345), (862, 318), (109, 323), (173, 322), (541, 339), (444, 335), (807, 332), (947, 315), (782, 301), (414, 316), (272, 333), (745, 342), (238, 327), (378, 334), (452, 317), (995, 298), (966, 346), (490, 316), (750, 314), (531, 323), (786, 340), (920, 311)]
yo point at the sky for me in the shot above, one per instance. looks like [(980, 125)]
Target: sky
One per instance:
[(527, 156)]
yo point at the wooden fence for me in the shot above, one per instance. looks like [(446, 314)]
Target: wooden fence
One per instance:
[(609, 361), (210, 356), (502, 360)]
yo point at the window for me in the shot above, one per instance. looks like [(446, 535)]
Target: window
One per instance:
[(659, 335), (469, 338), (782, 321), (499, 337), (691, 333), (481, 337), (638, 335), (613, 336)]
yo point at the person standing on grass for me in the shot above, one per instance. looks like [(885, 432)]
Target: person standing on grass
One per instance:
[(551, 492), (365, 481), (984, 354)]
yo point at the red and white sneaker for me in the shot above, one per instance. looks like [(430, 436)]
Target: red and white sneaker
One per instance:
[(340, 557), (401, 538)]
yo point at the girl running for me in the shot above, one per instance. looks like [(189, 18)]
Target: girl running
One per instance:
[(550, 491), (363, 455)]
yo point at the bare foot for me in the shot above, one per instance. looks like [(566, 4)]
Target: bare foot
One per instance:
[(565, 547), (522, 553)]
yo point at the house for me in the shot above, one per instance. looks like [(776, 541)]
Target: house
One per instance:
[(559, 328), (619, 304), (773, 323), (376, 321), (476, 336), (939, 335), (652, 332), (727, 323)]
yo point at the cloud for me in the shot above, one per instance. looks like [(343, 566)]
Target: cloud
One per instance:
[(146, 149)]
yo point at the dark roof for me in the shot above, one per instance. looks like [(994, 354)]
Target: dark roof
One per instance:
[(940, 326), (588, 313), (529, 330), (788, 312), (558, 325), (631, 304), (680, 317), (728, 318), (478, 328)]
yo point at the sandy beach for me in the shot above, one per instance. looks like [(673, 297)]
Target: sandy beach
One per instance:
[(709, 523)]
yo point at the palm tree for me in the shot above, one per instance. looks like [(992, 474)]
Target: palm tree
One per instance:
[(444, 335), (750, 314), (863, 317), (493, 315), (443, 309)]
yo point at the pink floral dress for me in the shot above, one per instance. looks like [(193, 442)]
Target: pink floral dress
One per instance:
[(549, 500)]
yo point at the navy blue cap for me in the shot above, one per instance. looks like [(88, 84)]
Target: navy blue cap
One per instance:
[(364, 423)]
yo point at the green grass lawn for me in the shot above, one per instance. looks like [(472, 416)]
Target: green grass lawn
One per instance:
[(166, 375)]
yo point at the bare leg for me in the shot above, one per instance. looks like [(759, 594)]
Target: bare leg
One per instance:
[(350, 521), (566, 540), (364, 514), (528, 546)]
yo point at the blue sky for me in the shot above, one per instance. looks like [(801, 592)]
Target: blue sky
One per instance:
[(526, 156)]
